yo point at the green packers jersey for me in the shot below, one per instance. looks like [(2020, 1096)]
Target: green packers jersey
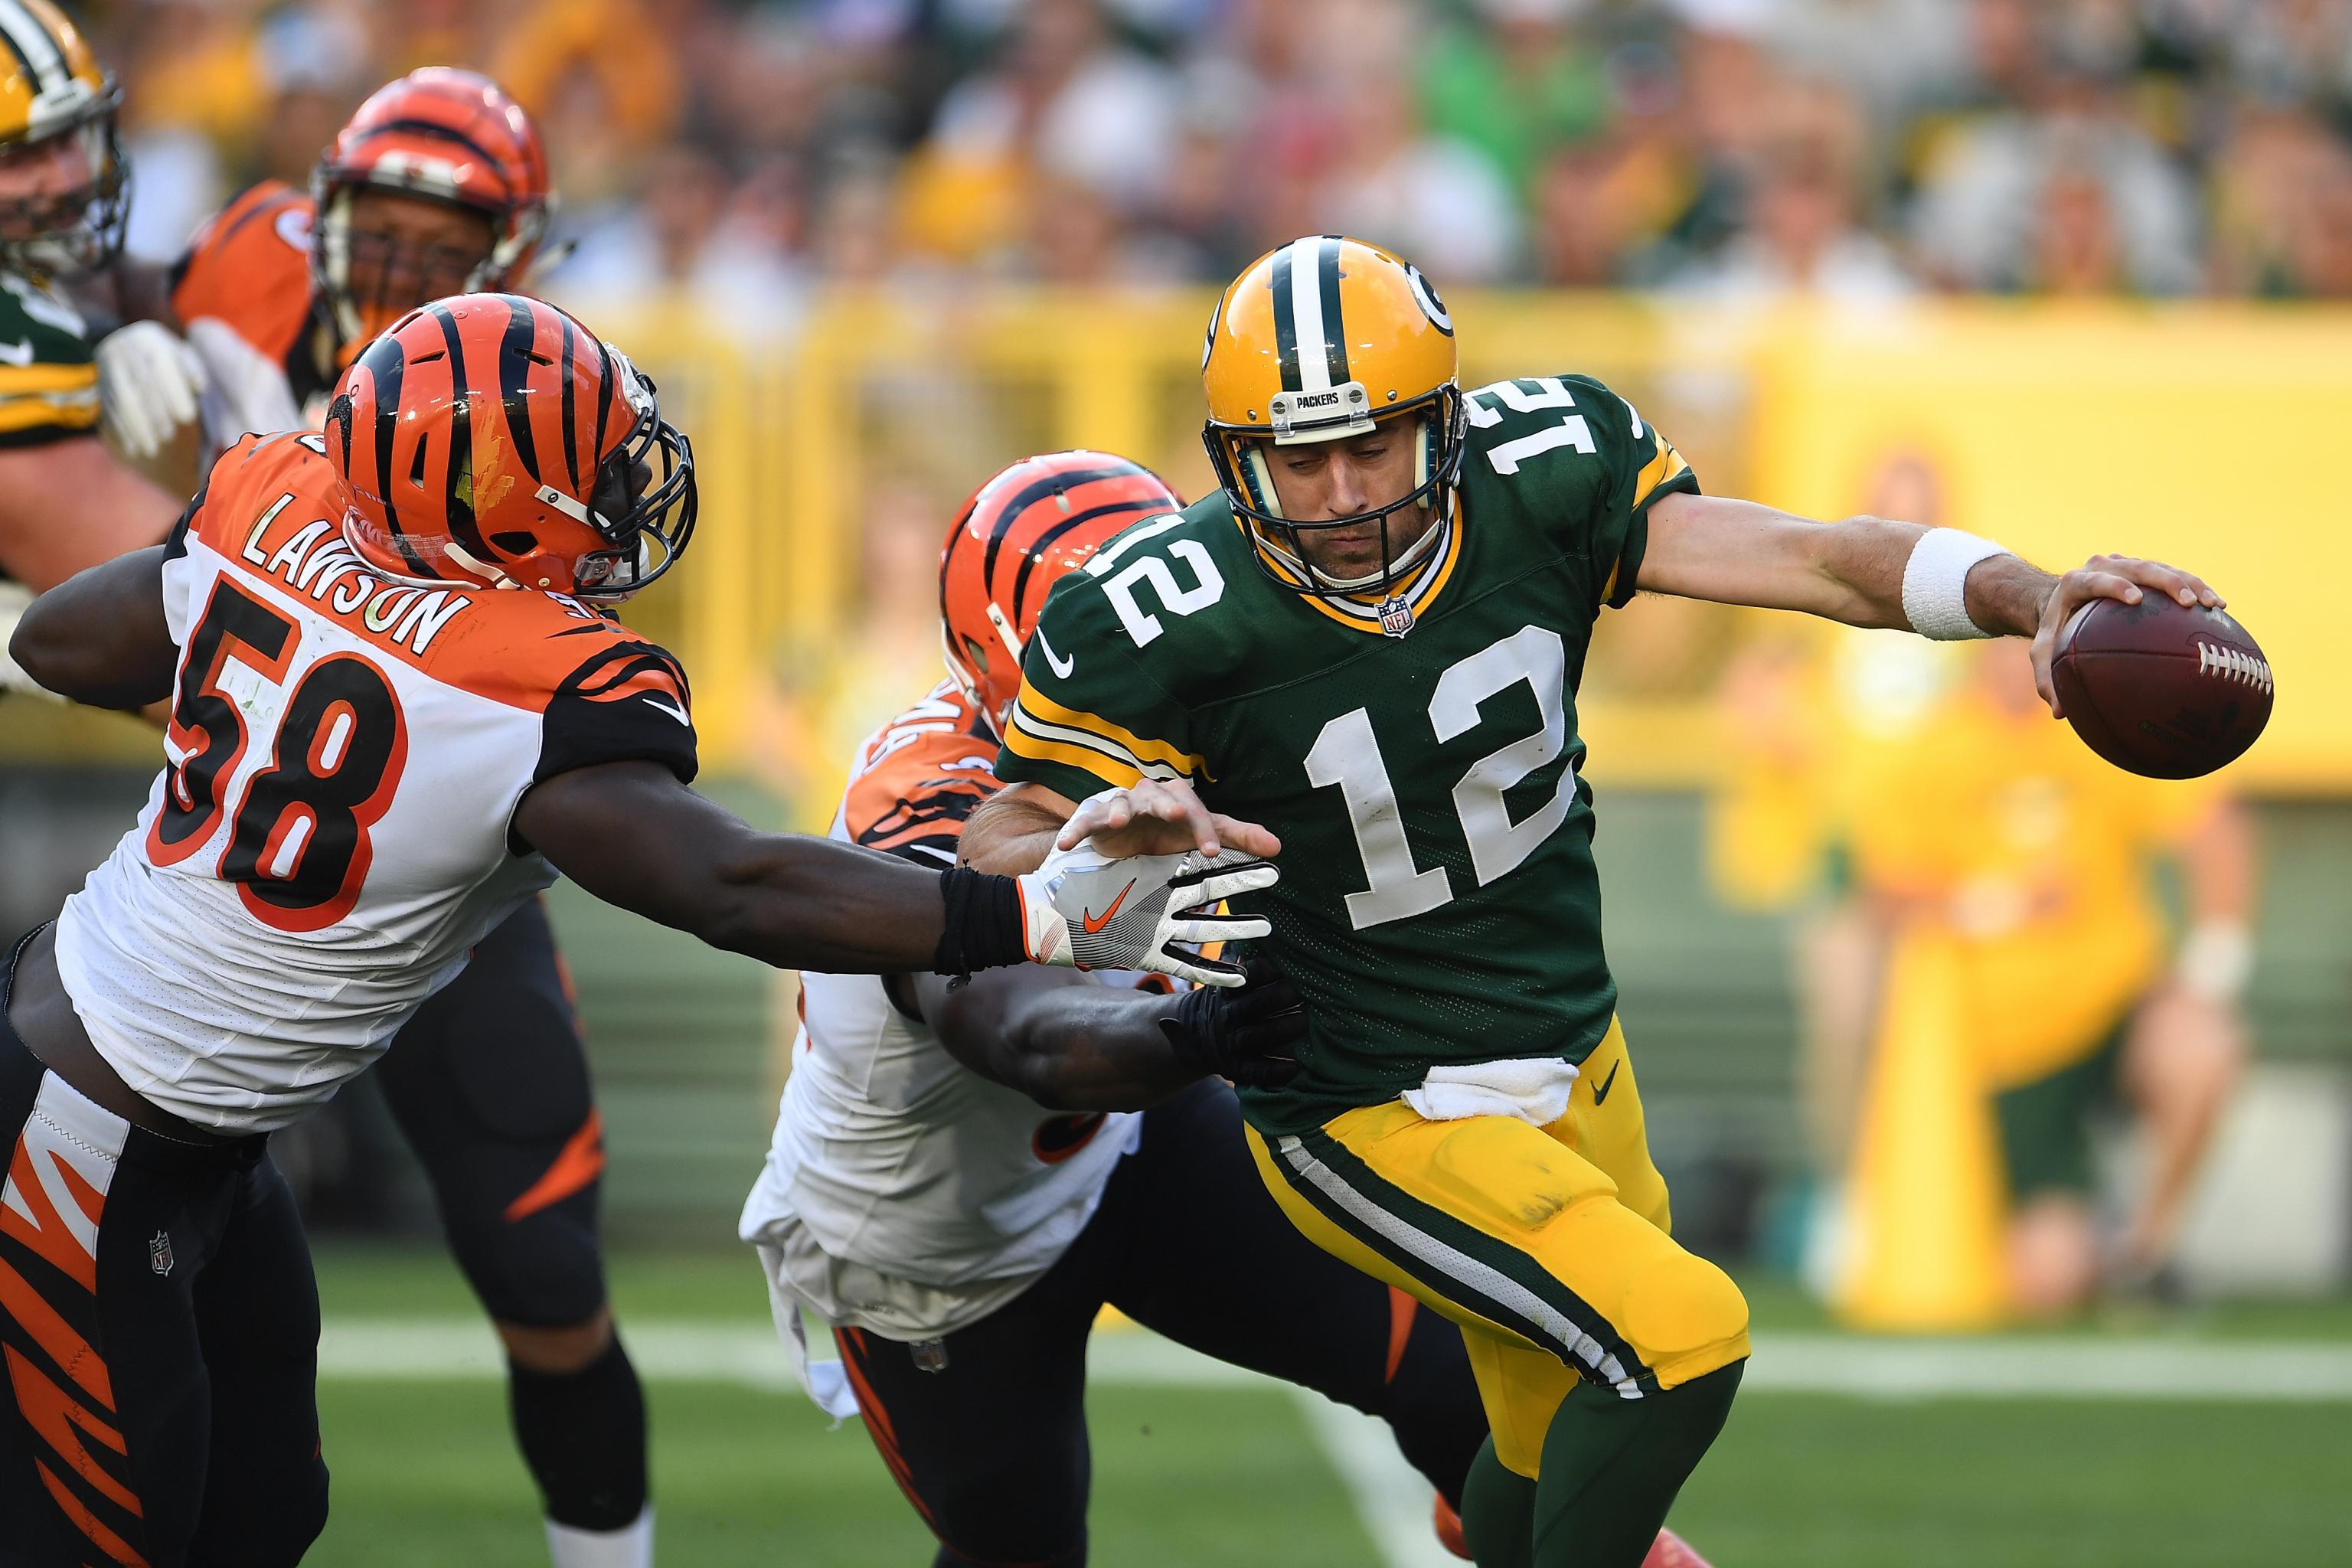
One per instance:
[(49, 381), (1439, 901)]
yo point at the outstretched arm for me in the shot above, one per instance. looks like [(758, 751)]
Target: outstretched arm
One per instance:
[(630, 833), (1738, 552), (1071, 1044), (100, 638), (634, 836)]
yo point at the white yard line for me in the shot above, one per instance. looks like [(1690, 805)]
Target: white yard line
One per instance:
[(2137, 1367), (1390, 1497)]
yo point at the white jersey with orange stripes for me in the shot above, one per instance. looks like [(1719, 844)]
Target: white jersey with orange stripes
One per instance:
[(333, 831), (903, 1192)]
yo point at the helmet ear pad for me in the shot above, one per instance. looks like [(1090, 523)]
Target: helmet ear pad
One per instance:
[(1424, 435), (1258, 477)]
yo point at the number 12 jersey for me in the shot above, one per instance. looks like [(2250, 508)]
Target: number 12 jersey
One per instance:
[(333, 831), (1439, 901)]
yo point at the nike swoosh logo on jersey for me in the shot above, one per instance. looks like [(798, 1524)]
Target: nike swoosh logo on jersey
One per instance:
[(1061, 666), (17, 353), (1601, 1091), (1096, 922), (665, 705)]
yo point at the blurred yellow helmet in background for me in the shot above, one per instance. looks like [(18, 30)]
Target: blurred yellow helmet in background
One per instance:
[(1317, 340), (52, 87)]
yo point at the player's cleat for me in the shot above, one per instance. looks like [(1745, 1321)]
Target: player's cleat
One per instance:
[(1448, 1525), (1671, 1550)]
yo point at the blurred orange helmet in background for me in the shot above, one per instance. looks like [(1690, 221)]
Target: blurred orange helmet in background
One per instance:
[(1017, 536), (494, 440), (445, 134)]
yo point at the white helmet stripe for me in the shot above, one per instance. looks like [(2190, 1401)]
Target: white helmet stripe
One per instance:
[(1307, 310), (35, 46)]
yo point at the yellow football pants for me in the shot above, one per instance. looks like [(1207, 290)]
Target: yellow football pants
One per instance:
[(1548, 1246)]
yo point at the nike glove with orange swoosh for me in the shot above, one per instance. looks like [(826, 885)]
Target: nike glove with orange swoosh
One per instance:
[(1086, 911)]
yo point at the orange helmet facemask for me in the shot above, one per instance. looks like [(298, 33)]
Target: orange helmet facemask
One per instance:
[(445, 134), (1018, 535), (493, 439)]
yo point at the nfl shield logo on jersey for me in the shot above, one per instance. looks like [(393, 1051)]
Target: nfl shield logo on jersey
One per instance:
[(1396, 617), (159, 1252)]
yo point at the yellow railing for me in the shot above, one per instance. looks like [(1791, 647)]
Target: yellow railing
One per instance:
[(2207, 434), (794, 440)]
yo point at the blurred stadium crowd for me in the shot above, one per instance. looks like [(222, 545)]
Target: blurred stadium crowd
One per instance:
[(746, 155)]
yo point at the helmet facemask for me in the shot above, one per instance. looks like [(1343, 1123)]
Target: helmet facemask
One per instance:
[(76, 231), (969, 666), (1239, 455), (343, 255), (645, 502)]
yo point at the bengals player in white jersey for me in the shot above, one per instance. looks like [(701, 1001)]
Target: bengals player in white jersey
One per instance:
[(437, 184), (962, 1178), (397, 713)]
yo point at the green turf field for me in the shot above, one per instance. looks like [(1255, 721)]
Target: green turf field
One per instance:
[(1202, 1476)]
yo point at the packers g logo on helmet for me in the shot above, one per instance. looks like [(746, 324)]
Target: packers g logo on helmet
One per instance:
[(1319, 340), (55, 97)]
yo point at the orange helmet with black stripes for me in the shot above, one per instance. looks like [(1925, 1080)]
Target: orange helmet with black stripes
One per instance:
[(1014, 540), (492, 439), (445, 134)]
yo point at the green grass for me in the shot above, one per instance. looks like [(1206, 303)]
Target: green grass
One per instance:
[(370, 1280), (1837, 1483), (425, 1471)]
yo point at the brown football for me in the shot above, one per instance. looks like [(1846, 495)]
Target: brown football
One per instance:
[(2162, 690)]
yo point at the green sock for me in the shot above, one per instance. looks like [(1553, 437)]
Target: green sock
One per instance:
[(1612, 1468), (1499, 1513)]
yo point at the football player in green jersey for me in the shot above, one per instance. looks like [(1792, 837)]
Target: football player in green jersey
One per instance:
[(65, 502), (1366, 644)]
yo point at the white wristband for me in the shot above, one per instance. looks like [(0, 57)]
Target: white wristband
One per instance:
[(1936, 580), (2217, 959)]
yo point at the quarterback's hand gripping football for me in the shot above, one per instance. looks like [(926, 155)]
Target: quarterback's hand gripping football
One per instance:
[(1243, 1035), (2124, 578), (1083, 910), (149, 384)]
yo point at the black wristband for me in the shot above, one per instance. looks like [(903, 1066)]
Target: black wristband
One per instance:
[(984, 929), (1191, 1030)]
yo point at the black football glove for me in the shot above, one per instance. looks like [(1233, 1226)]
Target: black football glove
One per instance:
[(1246, 1033)]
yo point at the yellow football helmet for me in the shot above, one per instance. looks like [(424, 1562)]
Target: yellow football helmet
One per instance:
[(1320, 339), (51, 87)]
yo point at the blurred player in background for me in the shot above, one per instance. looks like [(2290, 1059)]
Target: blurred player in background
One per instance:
[(1371, 641), (1982, 821), (438, 184), (960, 1179), (65, 502), (397, 715)]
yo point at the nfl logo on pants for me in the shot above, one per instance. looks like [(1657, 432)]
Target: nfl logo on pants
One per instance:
[(159, 1252)]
